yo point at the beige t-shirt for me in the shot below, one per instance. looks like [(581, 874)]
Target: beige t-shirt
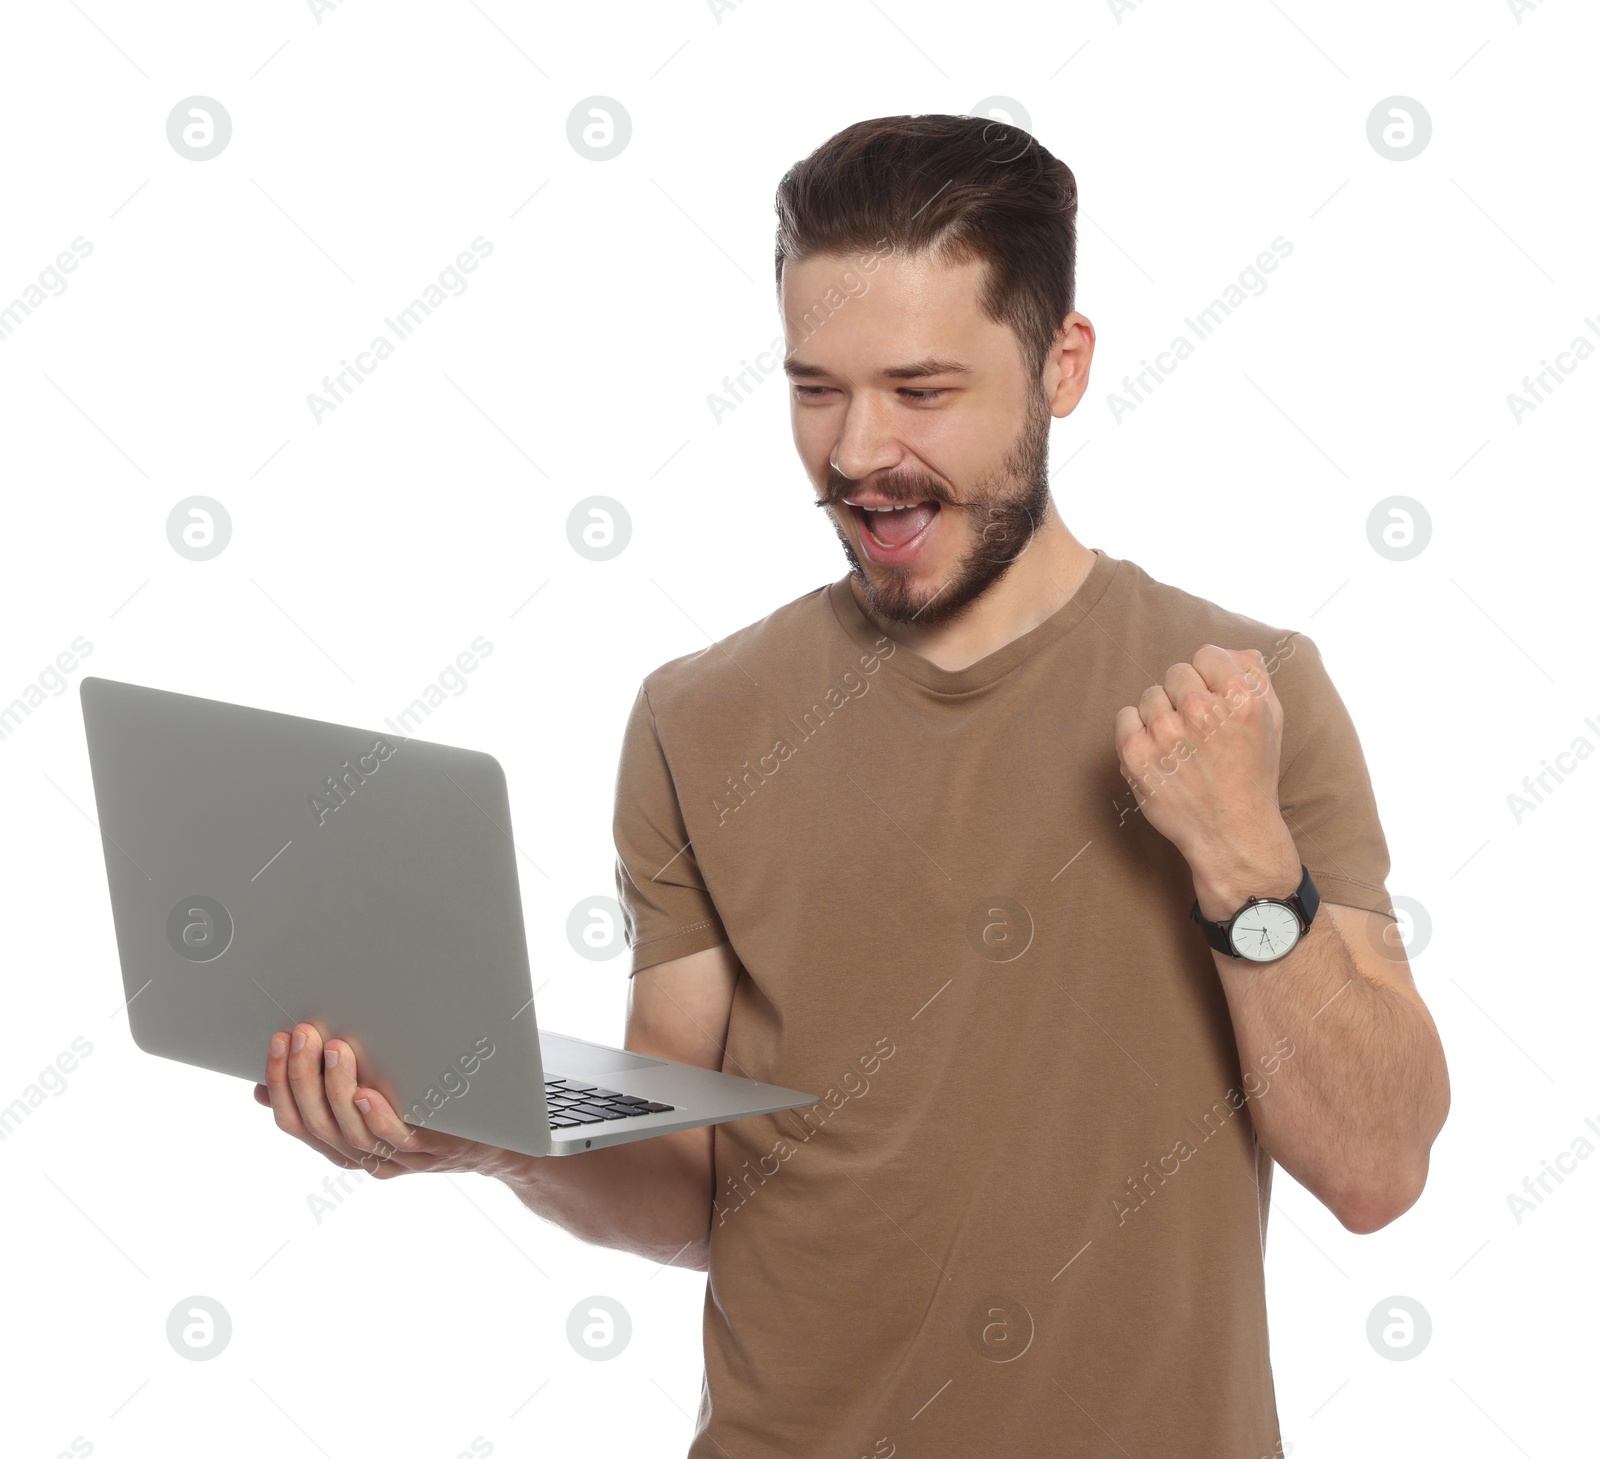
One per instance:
[(1027, 1213)]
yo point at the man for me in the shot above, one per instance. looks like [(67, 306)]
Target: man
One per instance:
[(934, 839)]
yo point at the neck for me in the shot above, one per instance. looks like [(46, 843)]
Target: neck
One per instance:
[(1038, 584)]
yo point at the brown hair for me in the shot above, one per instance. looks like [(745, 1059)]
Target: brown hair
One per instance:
[(957, 187)]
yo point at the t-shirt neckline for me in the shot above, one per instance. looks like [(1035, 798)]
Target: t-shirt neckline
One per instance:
[(992, 667)]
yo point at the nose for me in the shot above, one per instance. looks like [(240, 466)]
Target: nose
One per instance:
[(866, 445)]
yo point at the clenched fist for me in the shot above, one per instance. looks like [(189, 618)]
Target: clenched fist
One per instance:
[(1201, 752)]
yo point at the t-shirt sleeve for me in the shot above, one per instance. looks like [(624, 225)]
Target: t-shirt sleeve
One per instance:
[(1324, 790), (667, 911)]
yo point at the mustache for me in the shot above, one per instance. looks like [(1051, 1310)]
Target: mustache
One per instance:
[(835, 493)]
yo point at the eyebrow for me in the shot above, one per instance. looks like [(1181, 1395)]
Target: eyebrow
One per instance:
[(917, 370)]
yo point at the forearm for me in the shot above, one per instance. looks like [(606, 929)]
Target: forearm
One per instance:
[(650, 1197), (1352, 1112), (1358, 1089)]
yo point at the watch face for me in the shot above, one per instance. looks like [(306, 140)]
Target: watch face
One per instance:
[(1265, 931)]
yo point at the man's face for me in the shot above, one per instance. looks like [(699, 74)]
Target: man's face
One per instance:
[(923, 436)]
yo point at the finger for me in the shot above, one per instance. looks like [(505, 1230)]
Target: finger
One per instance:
[(1251, 669), (1222, 668), (279, 1095), (402, 1144), (286, 1109), (1216, 666), (1183, 680), (1129, 732), (1153, 703), (339, 1087), (373, 1150), (1257, 676), (305, 1083)]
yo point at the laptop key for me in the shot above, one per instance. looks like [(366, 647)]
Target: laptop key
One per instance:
[(628, 1111), (562, 1121), (582, 1117)]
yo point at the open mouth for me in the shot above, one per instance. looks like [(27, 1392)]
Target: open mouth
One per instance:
[(895, 529)]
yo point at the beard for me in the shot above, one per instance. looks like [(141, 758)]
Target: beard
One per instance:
[(1004, 511)]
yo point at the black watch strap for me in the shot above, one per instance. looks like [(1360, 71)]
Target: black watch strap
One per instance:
[(1304, 900)]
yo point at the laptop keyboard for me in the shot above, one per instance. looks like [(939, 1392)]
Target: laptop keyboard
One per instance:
[(574, 1103)]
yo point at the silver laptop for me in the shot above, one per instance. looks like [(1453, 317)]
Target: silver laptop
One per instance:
[(267, 870)]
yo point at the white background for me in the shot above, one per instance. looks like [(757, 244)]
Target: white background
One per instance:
[(372, 146)]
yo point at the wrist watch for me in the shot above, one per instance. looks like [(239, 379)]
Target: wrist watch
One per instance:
[(1265, 928)]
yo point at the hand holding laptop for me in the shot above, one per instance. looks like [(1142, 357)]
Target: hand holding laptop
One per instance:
[(316, 1102), (650, 1197)]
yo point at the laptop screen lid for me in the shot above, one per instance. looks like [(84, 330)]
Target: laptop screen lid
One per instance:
[(267, 870)]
